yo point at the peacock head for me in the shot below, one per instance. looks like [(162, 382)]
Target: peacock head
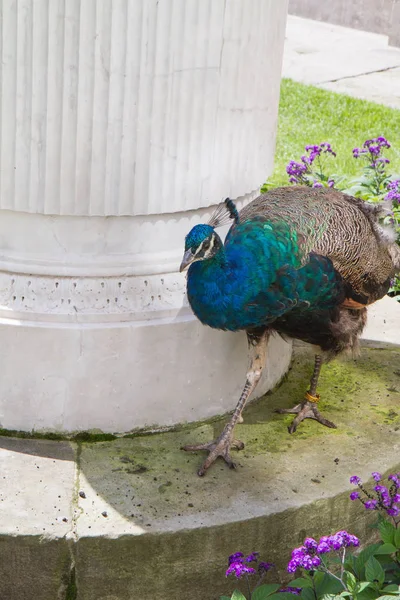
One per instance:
[(201, 243)]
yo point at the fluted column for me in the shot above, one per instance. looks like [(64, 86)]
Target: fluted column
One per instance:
[(122, 124)]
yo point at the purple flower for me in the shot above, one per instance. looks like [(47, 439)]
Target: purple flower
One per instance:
[(314, 148), (383, 141), (381, 489), (342, 539), (372, 150), (310, 544), (394, 511), (323, 547), (396, 498), (263, 567), (331, 183), (371, 504), (377, 476), (296, 169), (357, 152), (394, 191), (393, 185), (253, 557), (239, 569), (309, 563), (375, 150), (291, 590), (354, 495), (335, 542), (237, 557), (395, 478), (315, 561), (292, 566), (317, 184), (355, 479)]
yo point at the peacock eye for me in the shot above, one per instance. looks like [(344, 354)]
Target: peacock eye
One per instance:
[(206, 244)]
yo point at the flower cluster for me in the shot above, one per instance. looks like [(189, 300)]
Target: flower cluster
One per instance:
[(238, 565), (302, 172), (296, 171), (291, 590), (386, 498), (307, 555), (372, 150), (394, 191)]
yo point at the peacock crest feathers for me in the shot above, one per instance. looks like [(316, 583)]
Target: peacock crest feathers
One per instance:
[(224, 213)]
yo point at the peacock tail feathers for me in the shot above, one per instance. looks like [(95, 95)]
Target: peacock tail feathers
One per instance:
[(343, 228)]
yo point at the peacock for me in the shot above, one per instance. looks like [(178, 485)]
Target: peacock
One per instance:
[(304, 263)]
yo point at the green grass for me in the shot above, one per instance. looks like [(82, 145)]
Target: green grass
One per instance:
[(309, 115)]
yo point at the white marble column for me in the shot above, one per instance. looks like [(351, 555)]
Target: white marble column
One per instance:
[(122, 124)]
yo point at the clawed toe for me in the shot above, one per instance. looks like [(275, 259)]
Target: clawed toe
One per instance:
[(220, 447), (305, 410)]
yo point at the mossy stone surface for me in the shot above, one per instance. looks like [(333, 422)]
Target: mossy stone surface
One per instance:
[(143, 525)]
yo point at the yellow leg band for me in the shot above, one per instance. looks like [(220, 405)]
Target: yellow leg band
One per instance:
[(312, 398)]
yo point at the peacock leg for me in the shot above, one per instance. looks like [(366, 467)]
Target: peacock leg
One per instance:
[(222, 445), (308, 408)]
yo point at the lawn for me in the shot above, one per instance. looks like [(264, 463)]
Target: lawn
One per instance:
[(309, 115)]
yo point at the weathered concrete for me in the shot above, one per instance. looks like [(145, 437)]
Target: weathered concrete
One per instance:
[(339, 59), (378, 16), (140, 523), (383, 324)]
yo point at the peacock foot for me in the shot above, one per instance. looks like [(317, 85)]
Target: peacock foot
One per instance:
[(305, 410), (219, 447)]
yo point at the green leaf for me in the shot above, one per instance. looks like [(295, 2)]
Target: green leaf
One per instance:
[(327, 597), (318, 578), (363, 557), (224, 598), (385, 597), (368, 594), (387, 531), (307, 594), (301, 582), (385, 549), (361, 586), (350, 563), (265, 590), (374, 571), (397, 538), (393, 587), (350, 581), (237, 596), (328, 585)]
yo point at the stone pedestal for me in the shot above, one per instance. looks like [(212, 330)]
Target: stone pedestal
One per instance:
[(123, 123)]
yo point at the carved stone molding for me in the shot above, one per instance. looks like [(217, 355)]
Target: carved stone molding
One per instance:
[(92, 299)]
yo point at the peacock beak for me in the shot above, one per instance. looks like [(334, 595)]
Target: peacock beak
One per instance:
[(188, 257)]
